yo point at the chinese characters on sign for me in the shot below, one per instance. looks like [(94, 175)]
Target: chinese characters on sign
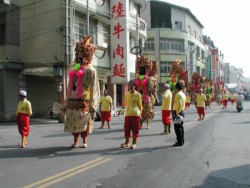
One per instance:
[(119, 40)]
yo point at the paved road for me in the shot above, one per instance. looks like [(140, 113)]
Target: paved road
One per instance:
[(216, 153)]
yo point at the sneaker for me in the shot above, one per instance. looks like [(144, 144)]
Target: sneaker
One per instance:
[(109, 127), (124, 145), (84, 145), (102, 127), (75, 145), (133, 146), (163, 133)]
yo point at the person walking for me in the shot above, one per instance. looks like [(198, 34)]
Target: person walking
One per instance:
[(133, 104), (83, 94), (233, 98), (225, 97), (23, 113), (201, 99), (178, 115), (166, 109), (188, 99), (106, 108)]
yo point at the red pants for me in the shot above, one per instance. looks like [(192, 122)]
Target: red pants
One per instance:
[(233, 101), (105, 116), (83, 134), (131, 124), (166, 119), (201, 110), (23, 122), (224, 102), (187, 104)]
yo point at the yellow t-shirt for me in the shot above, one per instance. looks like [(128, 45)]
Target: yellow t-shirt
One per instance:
[(179, 102), (106, 102), (166, 100), (201, 98), (188, 98), (233, 96), (24, 107), (225, 96), (133, 103)]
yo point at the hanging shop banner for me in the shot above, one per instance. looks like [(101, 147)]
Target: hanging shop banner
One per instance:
[(119, 31)]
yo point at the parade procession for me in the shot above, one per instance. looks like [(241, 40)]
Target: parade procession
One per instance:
[(83, 101)]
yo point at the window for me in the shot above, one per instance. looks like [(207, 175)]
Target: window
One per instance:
[(106, 34), (80, 27), (189, 30), (165, 67), (2, 34), (172, 45), (150, 45), (198, 52), (178, 25)]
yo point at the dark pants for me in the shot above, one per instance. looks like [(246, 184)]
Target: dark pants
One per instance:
[(179, 129)]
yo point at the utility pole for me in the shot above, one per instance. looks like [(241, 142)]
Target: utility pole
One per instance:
[(87, 17)]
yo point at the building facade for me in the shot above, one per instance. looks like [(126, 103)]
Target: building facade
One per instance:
[(174, 33), (37, 47)]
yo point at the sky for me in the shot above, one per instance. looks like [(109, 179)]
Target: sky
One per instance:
[(227, 25)]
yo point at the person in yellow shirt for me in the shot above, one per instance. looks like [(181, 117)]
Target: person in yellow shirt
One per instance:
[(201, 99), (133, 104), (166, 109), (106, 108), (178, 114), (188, 99), (225, 97), (23, 113), (233, 98)]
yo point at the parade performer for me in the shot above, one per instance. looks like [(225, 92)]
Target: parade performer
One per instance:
[(233, 98), (106, 108), (146, 85), (133, 103), (24, 111), (166, 109), (225, 97), (178, 114), (201, 98), (208, 101), (83, 93), (188, 100)]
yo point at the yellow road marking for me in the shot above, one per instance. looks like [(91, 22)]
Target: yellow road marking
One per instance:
[(92, 163)]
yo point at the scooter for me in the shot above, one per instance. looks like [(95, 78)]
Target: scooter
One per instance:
[(239, 106)]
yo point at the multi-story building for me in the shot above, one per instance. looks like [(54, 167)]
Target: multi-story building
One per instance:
[(174, 33), (37, 41)]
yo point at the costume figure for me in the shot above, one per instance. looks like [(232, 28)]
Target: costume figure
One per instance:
[(106, 108), (166, 109), (23, 113), (133, 103), (83, 93), (146, 85)]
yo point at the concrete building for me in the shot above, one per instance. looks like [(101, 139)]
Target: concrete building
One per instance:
[(174, 33), (37, 41)]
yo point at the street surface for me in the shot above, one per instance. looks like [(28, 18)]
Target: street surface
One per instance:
[(216, 154)]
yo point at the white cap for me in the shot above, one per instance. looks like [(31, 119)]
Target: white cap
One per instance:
[(167, 86), (23, 93)]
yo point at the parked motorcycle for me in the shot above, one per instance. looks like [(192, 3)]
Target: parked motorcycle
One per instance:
[(239, 106)]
